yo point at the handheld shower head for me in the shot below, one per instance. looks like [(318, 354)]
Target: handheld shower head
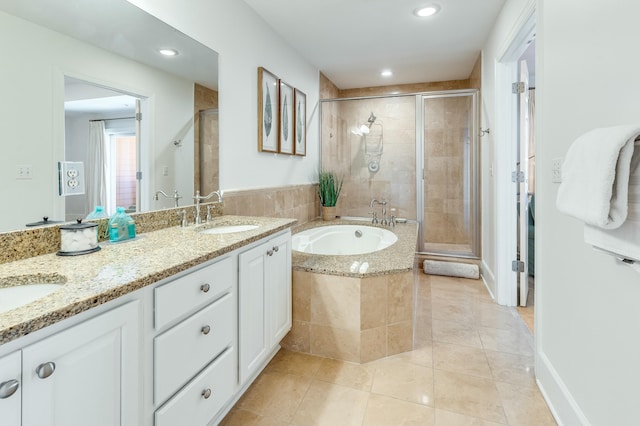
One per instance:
[(365, 128)]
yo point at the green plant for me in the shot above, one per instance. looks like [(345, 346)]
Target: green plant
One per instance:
[(329, 186)]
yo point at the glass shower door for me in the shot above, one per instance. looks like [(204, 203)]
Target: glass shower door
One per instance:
[(449, 182)]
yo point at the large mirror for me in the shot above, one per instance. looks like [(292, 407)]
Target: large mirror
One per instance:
[(72, 66)]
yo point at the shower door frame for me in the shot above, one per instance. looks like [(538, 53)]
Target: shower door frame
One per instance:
[(474, 173)]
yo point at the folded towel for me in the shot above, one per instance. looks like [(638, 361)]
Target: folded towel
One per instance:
[(595, 176)]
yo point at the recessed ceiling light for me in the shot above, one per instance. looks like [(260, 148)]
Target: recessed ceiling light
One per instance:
[(168, 52), (386, 73), (425, 11)]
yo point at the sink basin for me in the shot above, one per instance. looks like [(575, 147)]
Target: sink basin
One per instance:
[(16, 296), (229, 229)]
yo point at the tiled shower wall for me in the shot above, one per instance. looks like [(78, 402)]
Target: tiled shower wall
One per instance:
[(448, 128), (391, 143)]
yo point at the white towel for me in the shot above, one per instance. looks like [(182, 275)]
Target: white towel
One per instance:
[(595, 176)]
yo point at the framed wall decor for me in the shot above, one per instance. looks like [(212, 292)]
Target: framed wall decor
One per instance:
[(268, 111), (286, 119), (300, 126)]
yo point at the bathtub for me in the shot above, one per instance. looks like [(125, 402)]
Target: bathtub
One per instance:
[(343, 240), (348, 306)]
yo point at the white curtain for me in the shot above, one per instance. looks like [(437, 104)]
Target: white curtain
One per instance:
[(96, 176)]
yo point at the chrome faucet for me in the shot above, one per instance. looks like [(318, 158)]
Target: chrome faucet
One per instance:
[(175, 197), (382, 203), (199, 198)]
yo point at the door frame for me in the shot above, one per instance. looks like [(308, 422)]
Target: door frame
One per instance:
[(506, 155)]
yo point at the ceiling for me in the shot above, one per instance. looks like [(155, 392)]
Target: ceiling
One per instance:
[(352, 41)]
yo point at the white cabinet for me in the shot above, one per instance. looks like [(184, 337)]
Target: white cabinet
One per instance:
[(10, 389), (85, 375), (264, 291)]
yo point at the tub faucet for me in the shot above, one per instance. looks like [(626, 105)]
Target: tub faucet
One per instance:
[(175, 196), (199, 198)]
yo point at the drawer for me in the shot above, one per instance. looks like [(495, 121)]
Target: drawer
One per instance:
[(197, 289), (189, 406), (185, 349)]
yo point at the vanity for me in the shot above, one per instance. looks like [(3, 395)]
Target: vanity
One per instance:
[(169, 328)]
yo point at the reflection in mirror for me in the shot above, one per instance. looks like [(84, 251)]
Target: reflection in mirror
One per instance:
[(67, 47)]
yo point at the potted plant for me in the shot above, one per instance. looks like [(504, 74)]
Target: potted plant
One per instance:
[(329, 186)]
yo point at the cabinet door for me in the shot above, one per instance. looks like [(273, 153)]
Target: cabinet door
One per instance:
[(85, 375), (10, 391), (278, 276), (252, 316)]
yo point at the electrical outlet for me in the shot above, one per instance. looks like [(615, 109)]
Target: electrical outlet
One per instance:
[(24, 172), (165, 170), (556, 170), (71, 178)]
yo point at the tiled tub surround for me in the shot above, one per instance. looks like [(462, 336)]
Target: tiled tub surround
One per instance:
[(296, 201), (354, 316), (119, 269)]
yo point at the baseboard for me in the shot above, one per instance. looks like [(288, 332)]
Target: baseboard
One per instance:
[(563, 407), (488, 278)]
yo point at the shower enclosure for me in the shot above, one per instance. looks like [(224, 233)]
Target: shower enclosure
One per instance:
[(418, 152)]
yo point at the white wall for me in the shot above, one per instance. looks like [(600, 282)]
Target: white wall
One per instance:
[(244, 43), (587, 317), (494, 146), (32, 111)]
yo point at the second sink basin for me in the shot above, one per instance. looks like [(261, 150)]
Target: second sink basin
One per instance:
[(229, 229), (16, 296)]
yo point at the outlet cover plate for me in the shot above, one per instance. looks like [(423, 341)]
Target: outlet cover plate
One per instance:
[(556, 170), (70, 178)]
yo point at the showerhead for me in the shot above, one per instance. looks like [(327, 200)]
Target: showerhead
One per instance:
[(365, 128)]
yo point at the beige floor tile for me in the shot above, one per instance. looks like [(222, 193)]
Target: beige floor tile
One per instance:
[(238, 417), (385, 411), (512, 368), (453, 332), (461, 359), (403, 380), (275, 395), (451, 311), (330, 405), (512, 341), (524, 406), (296, 363), (447, 418), (469, 395), (422, 356), (357, 376), (495, 316)]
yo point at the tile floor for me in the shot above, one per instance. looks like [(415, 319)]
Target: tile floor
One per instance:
[(472, 364), (526, 312)]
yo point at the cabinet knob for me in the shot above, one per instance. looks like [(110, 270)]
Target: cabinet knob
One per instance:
[(206, 393), (8, 388), (205, 330), (46, 369), (269, 252), (276, 248), (205, 288)]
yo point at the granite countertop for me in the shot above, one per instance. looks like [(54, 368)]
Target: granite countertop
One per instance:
[(399, 257), (118, 268)]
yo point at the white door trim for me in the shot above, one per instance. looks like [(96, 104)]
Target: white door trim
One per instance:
[(506, 154)]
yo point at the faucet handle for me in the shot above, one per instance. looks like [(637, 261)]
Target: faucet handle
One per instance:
[(183, 218), (374, 219)]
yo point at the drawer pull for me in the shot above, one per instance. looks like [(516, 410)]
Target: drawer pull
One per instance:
[(205, 330), (269, 252), (205, 288), (206, 393), (8, 388), (46, 369), (276, 248)]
